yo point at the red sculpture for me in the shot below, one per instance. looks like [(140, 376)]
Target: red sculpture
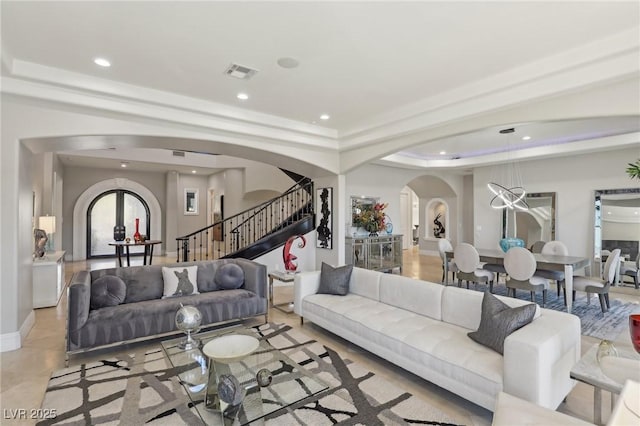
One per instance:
[(289, 258)]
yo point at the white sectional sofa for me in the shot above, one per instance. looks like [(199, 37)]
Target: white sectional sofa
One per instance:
[(422, 327)]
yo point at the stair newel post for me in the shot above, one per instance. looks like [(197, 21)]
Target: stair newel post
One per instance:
[(178, 250), (185, 250), (194, 248), (206, 244)]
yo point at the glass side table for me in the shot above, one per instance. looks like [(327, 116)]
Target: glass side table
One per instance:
[(588, 371)]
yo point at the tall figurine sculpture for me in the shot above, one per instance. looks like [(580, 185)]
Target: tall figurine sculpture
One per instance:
[(438, 230), (289, 259)]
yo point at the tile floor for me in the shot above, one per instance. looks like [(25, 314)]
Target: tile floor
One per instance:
[(25, 372)]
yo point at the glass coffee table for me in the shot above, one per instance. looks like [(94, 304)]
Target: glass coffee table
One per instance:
[(289, 382)]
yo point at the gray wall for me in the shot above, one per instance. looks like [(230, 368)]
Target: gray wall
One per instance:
[(78, 179)]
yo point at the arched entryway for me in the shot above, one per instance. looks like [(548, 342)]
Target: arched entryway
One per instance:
[(83, 204), (116, 207)]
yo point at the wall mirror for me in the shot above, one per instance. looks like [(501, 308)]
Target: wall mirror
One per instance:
[(617, 222), (190, 201), (358, 203), (536, 224)]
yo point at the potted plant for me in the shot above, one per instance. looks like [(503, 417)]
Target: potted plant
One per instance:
[(633, 170)]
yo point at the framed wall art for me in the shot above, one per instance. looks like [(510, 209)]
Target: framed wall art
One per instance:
[(324, 209)]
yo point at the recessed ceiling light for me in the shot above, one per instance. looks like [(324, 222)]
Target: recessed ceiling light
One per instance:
[(608, 212), (443, 152), (288, 62), (325, 117), (242, 96), (526, 138), (123, 164), (102, 62), (193, 171)]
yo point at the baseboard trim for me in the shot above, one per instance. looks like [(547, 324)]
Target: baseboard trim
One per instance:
[(12, 341), (171, 254)]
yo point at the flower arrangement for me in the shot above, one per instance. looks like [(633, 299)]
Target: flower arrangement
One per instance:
[(371, 218)]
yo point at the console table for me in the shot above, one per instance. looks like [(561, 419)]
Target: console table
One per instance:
[(148, 250), (381, 253), (48, 279)]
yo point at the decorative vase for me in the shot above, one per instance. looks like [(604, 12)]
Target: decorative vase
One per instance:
[(606, 348), (136, 236), (507, 243), (634, 331), (373, 234)]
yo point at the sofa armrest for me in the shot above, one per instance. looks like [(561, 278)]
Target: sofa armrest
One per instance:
[(79, 300), (538, 358), (255, 276), (511, 411), (304, 284)]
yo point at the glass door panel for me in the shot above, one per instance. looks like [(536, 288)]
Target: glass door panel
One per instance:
[(103, 219), (133, 208)]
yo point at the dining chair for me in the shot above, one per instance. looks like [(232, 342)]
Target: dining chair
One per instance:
[(631, 271), (496, 268), (537, 247), (520, 264), (468, 262), (444, 246), (599, 286), (554, 248)]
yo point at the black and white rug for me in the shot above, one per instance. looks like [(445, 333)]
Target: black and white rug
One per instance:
[(140, 387), (593, 322)]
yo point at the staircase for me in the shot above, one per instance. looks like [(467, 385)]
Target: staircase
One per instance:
[(255, 231)]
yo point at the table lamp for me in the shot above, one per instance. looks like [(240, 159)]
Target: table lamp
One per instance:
[(48, 225)]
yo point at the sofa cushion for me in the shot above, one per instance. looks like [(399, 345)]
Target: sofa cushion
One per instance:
[(108, 290), (498, 320), (229, 276), (335, 280), (365, 282), (417, 296), (143, 282), (179, 281)]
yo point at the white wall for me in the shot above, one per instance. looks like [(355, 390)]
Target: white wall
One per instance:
[(574, 179)]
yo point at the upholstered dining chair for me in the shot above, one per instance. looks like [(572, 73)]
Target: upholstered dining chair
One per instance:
[(597, 285), (468, 263), (521, 267), (444, 246), (537, 247), (631, 271), (556, 248), (496, 268)]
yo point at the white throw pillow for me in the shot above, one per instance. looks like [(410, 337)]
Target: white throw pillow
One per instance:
[(180, 281)]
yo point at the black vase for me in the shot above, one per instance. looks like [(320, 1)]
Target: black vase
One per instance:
[(119, 232)]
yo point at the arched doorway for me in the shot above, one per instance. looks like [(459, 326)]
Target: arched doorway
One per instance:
[(83, 202), (112, 208)]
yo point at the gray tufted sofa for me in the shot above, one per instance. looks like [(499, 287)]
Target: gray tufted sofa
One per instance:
[(144, 313)]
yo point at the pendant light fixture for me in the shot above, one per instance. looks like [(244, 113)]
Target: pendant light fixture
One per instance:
[(509, 193)]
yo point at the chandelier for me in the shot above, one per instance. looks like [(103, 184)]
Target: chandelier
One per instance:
[(510, 193)]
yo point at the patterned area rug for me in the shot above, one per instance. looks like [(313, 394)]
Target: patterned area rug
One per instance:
[(140, 387), (594, 323)]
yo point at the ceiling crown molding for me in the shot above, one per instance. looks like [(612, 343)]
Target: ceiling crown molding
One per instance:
[(605, 60), (170, 108)]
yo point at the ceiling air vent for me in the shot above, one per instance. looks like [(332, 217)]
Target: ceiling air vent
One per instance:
[(240, 71), (178, 153)]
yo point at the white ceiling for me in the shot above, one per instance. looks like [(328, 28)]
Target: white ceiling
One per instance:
[(359, 61)]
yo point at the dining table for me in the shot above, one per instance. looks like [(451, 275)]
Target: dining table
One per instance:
[(549, 262)]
